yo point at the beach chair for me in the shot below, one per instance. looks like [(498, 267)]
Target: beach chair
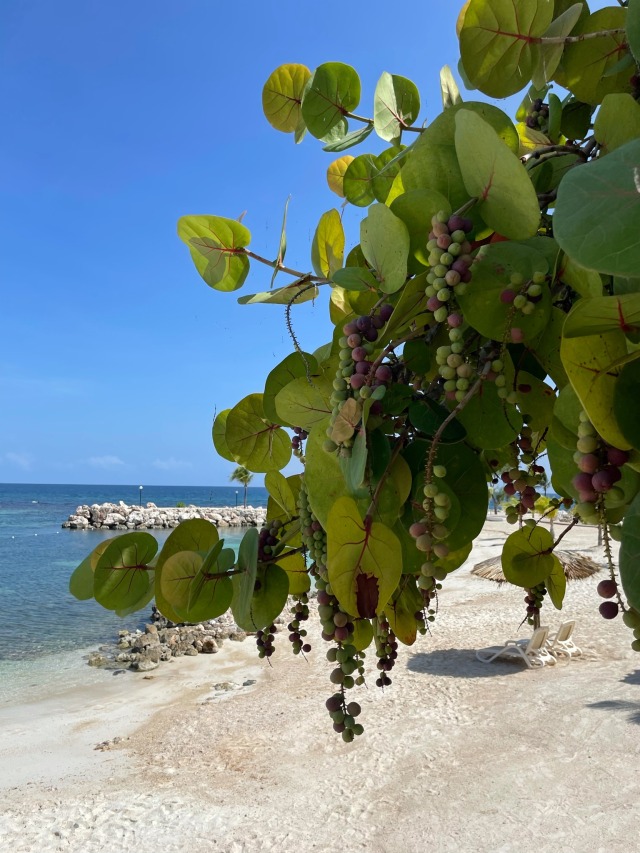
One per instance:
[(562, 645), (533, 652)]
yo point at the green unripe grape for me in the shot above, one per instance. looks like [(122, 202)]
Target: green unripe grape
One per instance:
[(446, 259), (520, 301), (349, 666), (583, 417), (365, 392), (503, 393), (425, 583), (534, 290), (426, 569), (434, 258), (587, 444), (337, 676), (586, 428), (337, 716), (460, 395), (516, 279), (348, 682), (358, 728), (432, 245), (454, 249), (631, 618), (429, 290), (462, 385), (447, 372), (347, 736), (444, 295), (450, 385), (431, 489), (442, 216), (339, 384), (500, 380), (528, 308), (343, 342), (439, 573), (440, 270), (458, 236), (442, 499), (455, 336), (349, 721), (454, 360), (457, 347), (538, 277), (497, 366), (332, 655), (441, 513), (345, 353), (443, 352), (512, 518), (439, 471), (346, 372), (330, 446), (512, 398), (635, 645), (636, 633), (440, 531), (440, 314)]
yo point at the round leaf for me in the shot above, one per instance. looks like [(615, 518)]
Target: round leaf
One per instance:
[(282, 96), (396, 105), (526, 556), (332, 91), (217, 249), (385, 243), (122, 575), (258, 444), (336, 172)]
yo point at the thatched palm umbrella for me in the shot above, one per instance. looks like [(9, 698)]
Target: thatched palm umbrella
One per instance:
[(576, 567)]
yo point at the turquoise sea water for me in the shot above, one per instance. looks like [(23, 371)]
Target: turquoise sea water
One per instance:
[(43, 629)]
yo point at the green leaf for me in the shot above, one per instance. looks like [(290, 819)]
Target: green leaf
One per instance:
[(355, 278), (292, 367), (178, 572), (362, 634), (536, 399), (587, 361), (217, 249), (488, 421), (210, 596), (301, 291), (498, 43), (323, 475), (549, 55), (432, 163), (385, 243), (449, 88), (304, 405), (296, 571), (364, 560), (280, 490), (122, 576), (257, 443), (576, 120), (401, 610), (492, 271), (327, 249), (493, 174), (598, 314), (332, 91), (563, 468), (196, 534), (546, 348), (387, 168), (81, 581), (583, 281), (269, 596), (584, 66), (556, 584), (455, 559), (244, 583), (282, 247), (427, 416), (617, 122), (357, 183), (349, 140), (526, 556), (629, 559), (282, 96), (626, 403), (566, 417), (219, 435), (396, 106), (633, 28)]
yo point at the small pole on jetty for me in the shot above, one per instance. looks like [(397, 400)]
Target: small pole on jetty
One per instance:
[(140, 493), (236, 497)]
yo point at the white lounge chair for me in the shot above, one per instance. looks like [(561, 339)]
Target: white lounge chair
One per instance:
[(562, 645), (533, 652)]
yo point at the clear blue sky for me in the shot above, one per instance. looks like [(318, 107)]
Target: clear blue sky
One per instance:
[(118, 119)]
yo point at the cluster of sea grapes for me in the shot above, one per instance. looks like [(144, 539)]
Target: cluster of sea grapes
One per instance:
[(356, 376), (313, 534), (523, 296), (430, 530), (296, 442), (538, 117), (599, 465), (300, 611), (344, 715), (534, 600), (450, 268), (268, 539), (264, 641), (386, 651), (517, 481), (452, 367)]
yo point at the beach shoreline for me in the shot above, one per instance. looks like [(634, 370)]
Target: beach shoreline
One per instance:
[(456, 755)]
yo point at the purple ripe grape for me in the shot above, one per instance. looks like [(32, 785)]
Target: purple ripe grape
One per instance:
[(607, 588), (517, 335), (588, 496), (354, 340), (589, 463), (457, 223), (359, 354), (363, 323), (384, 373), (609, 609), (334, 703), (357, 381), (341, 634), (507, 296), (371, 334), (349, 329), (376, 408), (604, 480), (455, 320), (363, 367), (460, 266), (377, 322), (386, 311), (433, 303), (582, 482), (323, 597), (617, 457), (444, 241)]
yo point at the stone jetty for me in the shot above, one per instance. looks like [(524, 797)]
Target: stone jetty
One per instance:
[(121, 516)]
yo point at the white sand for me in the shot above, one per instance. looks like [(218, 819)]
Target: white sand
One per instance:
[(456, 756)]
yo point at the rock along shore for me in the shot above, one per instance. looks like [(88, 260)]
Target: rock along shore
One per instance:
[(120, 516)]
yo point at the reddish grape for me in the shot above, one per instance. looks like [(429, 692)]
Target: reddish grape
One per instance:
[(607, 588), (357, 381), (386, 311), (354, 340), (517, 335), (617, 457), (507, 296), (609, 609), (582, 482), (384, 374), (359, 354), (589, 463)]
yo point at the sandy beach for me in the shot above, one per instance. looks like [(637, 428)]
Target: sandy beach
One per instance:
[(226, 753)]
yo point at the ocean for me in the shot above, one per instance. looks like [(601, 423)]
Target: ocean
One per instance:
[(44, 631)]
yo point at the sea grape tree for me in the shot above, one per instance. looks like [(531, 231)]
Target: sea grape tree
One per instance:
[(485, 319)]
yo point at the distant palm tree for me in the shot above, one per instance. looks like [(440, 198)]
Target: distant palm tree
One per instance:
[(242, 475)]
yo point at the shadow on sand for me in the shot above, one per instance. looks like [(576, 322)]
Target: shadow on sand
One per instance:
[(462, 663), (630, 708)]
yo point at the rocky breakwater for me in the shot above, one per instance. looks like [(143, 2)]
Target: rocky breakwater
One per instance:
[(121, 516)]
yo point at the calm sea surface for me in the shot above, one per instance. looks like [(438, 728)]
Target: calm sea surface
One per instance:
[(43, 629)]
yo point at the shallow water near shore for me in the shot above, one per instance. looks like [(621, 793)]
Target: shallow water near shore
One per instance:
[(45, 630)]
